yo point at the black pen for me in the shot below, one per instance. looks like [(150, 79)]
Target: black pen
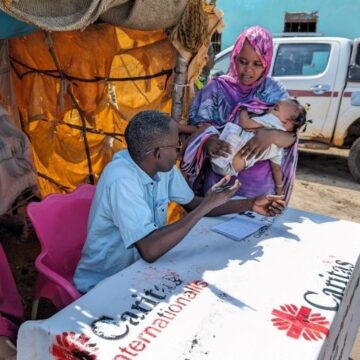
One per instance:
[(222, 188)]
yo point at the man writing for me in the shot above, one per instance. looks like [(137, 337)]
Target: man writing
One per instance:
[(128, 215)]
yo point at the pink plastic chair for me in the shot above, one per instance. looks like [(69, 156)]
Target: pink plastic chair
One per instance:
[(60, 222)]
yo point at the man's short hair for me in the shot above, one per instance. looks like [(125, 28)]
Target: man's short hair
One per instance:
[(146, 130)]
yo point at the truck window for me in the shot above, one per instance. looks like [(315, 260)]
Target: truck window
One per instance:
[(357, 59), (354, 68), (301, 59)]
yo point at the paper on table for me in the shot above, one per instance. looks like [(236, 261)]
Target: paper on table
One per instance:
[(238, 228)]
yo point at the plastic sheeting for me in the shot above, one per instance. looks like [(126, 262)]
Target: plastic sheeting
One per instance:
[(11, 27), (93, 66), (98, 65)]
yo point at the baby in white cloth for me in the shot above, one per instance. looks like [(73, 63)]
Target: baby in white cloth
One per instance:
[(286, 115)]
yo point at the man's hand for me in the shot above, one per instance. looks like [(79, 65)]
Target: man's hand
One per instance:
[(158, 242), (269, 205), (214, 147), (220, 193)]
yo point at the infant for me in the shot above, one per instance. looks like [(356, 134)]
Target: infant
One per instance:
[(286, 115)]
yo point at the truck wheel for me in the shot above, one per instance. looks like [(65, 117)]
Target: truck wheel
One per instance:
[(354, 160)]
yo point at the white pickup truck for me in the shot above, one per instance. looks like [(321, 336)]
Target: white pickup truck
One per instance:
[(325, 73)]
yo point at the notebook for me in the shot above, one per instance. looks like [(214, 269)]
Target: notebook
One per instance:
[(240, 227)]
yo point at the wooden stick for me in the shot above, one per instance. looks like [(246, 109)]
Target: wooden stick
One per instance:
[(82, 115), (180, 82)]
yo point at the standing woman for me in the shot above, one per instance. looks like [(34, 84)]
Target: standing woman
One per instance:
[(247, 83)]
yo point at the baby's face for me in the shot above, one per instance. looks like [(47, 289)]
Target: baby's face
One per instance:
[(287, 113)]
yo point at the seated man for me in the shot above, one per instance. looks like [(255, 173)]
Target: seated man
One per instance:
[(129, 209)]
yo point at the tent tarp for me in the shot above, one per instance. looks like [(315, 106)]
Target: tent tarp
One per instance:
[(95, 63), (75, 101)]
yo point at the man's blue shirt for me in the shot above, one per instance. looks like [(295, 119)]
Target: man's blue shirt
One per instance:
[(127, 206)]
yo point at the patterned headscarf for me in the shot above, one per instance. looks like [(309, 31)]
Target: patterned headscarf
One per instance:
[(261, 41), (256, 97)]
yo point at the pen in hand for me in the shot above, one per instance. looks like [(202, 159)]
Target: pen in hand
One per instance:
[(222, 188)]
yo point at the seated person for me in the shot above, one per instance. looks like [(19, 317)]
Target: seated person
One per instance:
[(128, 214), (286, 115)]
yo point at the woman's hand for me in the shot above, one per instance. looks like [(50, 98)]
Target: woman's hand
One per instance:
[(220, 193), (214, 147), (258, 143), (269, 205), (279, 190), (263, 139)]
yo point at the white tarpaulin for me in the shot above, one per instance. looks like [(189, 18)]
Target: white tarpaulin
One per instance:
[(290, 291)]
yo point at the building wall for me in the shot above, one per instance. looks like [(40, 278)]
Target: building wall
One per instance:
[(336, 17)]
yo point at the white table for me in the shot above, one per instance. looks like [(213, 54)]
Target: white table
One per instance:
[(276, 295)]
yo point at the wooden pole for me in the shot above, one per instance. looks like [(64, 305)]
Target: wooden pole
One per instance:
[(180, 82)]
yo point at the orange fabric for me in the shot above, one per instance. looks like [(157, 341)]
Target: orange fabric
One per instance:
[(175, 213), (101, 50)]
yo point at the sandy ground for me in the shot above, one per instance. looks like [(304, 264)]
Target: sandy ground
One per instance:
[(324, 185)]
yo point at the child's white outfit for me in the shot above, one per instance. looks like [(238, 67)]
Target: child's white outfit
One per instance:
[(237, 137)]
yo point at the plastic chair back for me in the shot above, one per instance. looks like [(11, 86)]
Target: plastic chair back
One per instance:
[(60, 222)]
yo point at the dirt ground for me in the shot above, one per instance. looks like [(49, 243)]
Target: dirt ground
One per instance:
[(323, 185)]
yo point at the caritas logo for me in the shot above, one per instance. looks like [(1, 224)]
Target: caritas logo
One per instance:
[(300, 322)]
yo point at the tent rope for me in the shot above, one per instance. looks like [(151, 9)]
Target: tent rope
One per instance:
[(61, 187), (114, 135), (55, 74)]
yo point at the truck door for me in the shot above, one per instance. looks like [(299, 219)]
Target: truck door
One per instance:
[(347, 129), (309, 69), (354, 68)]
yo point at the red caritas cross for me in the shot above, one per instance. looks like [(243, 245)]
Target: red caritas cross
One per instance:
[(300, 322)]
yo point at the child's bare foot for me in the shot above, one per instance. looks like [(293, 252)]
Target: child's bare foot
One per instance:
[(7, 349)]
